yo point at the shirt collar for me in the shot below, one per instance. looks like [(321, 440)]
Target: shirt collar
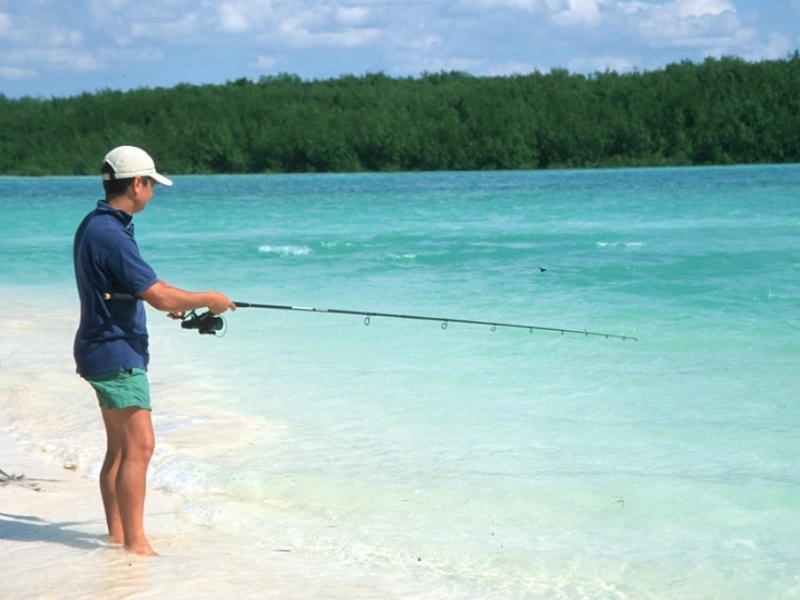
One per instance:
[(106, 208)]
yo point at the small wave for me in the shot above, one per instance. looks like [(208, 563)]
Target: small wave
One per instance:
[(285, 250), (406, 256), (618, 244), (340, 245), (776, 296)]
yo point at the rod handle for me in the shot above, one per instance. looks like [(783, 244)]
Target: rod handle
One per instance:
[(108, 296)]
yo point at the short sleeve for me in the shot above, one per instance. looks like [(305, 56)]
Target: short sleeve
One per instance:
[(129, 268)]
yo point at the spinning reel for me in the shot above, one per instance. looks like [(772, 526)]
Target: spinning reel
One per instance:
[(206, 323)]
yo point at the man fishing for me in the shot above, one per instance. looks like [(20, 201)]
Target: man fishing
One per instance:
[(111, 344)]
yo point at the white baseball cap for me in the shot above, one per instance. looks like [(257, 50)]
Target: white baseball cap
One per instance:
[(130, 161)]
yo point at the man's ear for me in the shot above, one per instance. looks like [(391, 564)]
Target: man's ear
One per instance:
[(138, 183)]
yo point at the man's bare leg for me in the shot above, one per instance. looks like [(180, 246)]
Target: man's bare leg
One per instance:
[(133, 429), (108, 479)]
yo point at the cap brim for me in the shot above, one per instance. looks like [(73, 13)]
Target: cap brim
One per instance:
[(161, 179)]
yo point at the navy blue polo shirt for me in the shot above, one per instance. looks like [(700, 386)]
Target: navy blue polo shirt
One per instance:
[(112, 335)]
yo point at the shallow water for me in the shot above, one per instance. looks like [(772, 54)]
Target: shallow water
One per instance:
[(457, 462)]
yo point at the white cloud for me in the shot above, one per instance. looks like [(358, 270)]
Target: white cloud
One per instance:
[(580, 12), (699, 24), (433, 64), (14, 73), (509, 68), (231, 20), (591, 8), (266, 62), (323, 38), (13, 31), (425, 43), (108, 11), (57, 36), (702, 8), (5, 24), (62, 58), (119, 58), (121, 11), (176, 31), (525, 5), (301, 24), (297, 35), (259, 16), (36, 43), (600, 64), (234, 18), (351, 15), (776, 47)]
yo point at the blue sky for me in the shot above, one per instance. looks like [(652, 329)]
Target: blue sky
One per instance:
[(63, 48)]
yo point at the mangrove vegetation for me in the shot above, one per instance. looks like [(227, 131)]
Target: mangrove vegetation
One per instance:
[(719, 111)]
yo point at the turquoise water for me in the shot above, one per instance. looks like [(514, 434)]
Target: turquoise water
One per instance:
[(459, 462)]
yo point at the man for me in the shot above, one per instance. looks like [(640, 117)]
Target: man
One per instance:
[(111, 345)]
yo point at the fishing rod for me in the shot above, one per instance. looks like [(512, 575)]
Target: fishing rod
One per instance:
[(209, 323), (445, 321)]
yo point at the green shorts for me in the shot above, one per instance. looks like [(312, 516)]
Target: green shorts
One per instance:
[(125, 389)]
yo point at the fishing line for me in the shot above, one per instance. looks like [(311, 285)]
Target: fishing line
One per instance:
[(445, 321), (209, 323)]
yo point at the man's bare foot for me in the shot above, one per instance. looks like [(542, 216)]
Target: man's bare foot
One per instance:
[(142, 549)]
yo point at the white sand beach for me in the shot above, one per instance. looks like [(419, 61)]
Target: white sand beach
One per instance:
[(53, 538), (53, 544)]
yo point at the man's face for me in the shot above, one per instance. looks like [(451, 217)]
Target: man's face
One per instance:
[(142, 192)]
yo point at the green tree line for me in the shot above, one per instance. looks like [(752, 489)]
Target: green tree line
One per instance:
[(720, 111)]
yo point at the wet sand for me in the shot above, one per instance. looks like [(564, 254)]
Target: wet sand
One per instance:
[(53, 544)]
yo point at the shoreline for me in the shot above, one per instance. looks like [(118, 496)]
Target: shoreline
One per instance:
[(54, 541), (52, 515), (54, 544)]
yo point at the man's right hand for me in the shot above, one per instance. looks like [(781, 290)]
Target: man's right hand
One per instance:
[(220, 303)]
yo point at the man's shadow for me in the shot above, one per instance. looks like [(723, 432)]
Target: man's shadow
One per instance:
[(25, 528)]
